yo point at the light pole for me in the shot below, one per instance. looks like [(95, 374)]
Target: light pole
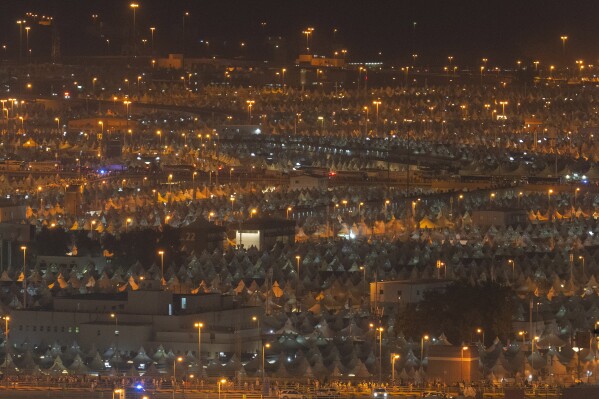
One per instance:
[(422, 340), (394, 357), (503, 104), (287, 212), (27, 29), (116, 332), (134, 6), (513, 269), (152, 29), (161, 253), (220, 382), (564, 39), (266, 345), (185, 14), (250, 104), (363, 269), (481, 332), (6, 331), (366, 122), (377, 103), (581, 258), (464, 348), (24, 249), (199, 325), (308, 32), (20, 23), (179, 359), (127, 221), (297, 258), (380, 330)]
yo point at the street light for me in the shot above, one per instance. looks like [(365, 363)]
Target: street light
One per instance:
[(308, 32), (513, 268), (287, 213), (464, 348), (179, 359), (564, 39), (199, 326), (422, 340), (581, 258), (24, 249), (116, 331), (127, 224), (134, 7), (297, 258), (6, 330), (377, 103), (394, 357), (161, 253), (152, 29), (221, 381), (250, 104), (253, 212), (380, 330), (480, 331), (266, 345)]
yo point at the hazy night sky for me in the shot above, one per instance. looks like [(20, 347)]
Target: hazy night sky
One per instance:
[(469, 30)]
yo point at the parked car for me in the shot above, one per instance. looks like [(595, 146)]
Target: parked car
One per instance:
[(291, 394)]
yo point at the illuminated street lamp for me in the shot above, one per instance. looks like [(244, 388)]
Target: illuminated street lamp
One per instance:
[(287, 212), (464, 348), (220, 382), (179, 359), (297, 258), (24, 249), (394, 357), (250, 104), (134, 7), (511, 261), (199, 327), (422, 340), (308, 32), (161, 253), (481, 332), (264, 347), (564, 39)]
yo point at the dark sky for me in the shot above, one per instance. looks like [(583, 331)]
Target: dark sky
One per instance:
[(501, 31)]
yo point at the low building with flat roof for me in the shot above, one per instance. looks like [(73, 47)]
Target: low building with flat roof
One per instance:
[(499, 217), (264, 233), (392, 295)]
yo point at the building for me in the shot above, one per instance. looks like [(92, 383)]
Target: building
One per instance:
[(499, 217), (264, 233), (73, 199), (453, 363), (12, 212), (316, 61), (201, 235), (14, 231), (146, 318), (308, 182), (391, 295)]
